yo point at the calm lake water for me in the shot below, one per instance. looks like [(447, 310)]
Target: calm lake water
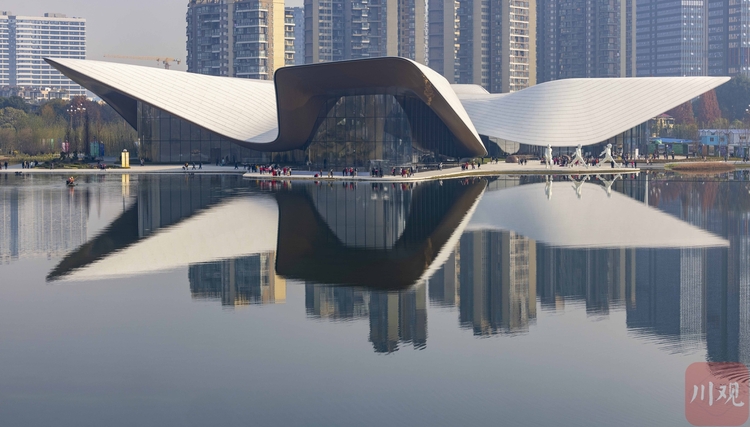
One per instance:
[(212, 300)]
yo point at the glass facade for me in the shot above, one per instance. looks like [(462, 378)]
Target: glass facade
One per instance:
[(168, 139), (361, 130), (635, 138), (364, 130), (353, 131)]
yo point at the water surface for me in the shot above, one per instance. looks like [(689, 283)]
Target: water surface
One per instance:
[(209, 300)]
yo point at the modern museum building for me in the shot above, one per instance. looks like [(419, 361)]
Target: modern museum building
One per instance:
[(390, 111)]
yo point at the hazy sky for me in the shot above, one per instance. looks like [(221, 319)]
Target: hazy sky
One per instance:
[(130, 27)]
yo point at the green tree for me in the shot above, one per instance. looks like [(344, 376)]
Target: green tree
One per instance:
[(734, 97), (720, 123), (12, 118), (36, 129), (686, 131), (15, 102)]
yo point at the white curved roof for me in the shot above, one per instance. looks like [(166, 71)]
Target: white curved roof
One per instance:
[(446, 90), (468, 89), (247, 110), (242, 109), (569, 112), (560, 113)]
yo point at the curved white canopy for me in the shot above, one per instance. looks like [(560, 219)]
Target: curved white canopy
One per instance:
[(249, 111), (565, 113), (560, 113), (242, 109)]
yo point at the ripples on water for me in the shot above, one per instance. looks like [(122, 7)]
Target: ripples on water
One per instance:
[(652, 268)]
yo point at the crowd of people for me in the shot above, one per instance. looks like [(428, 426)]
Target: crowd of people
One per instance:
[(374, 172), (568, 161), (470, 165), (26, 164), (186, 166), (273, 170)]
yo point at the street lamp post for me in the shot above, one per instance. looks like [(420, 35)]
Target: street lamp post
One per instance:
[(76, 110)]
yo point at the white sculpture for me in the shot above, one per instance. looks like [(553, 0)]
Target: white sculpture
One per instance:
[(608, 156), (548, 187), (578, 157), (578, 185), (548, 156), (608, 183)]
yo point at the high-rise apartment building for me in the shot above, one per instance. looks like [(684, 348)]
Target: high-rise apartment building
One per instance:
[(4, 49), (443, 35), (585, 38), (289, 25), (26, 40), (236, 38), (728, 38), (337, 30), (671, 38), (298, 15), (491, 43)]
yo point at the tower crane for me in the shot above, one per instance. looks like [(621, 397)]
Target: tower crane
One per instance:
[(163, 60)]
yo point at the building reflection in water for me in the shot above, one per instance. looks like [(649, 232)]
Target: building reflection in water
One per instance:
[(395, 317), (687, 299), (598, 277), (41, 219), (491, 278), (238, 281)]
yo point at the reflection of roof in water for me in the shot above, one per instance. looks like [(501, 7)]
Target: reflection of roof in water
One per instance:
[(210, 235), (557, 216), (309, 245)]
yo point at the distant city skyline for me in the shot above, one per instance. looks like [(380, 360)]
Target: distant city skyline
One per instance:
[(133, 28)]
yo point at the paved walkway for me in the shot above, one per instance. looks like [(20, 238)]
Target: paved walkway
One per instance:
[(533, 168), (487, 169), (134, 169)]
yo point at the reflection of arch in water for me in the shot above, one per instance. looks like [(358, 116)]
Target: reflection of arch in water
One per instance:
[(309, 250), (310, 244), (372, 216)]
